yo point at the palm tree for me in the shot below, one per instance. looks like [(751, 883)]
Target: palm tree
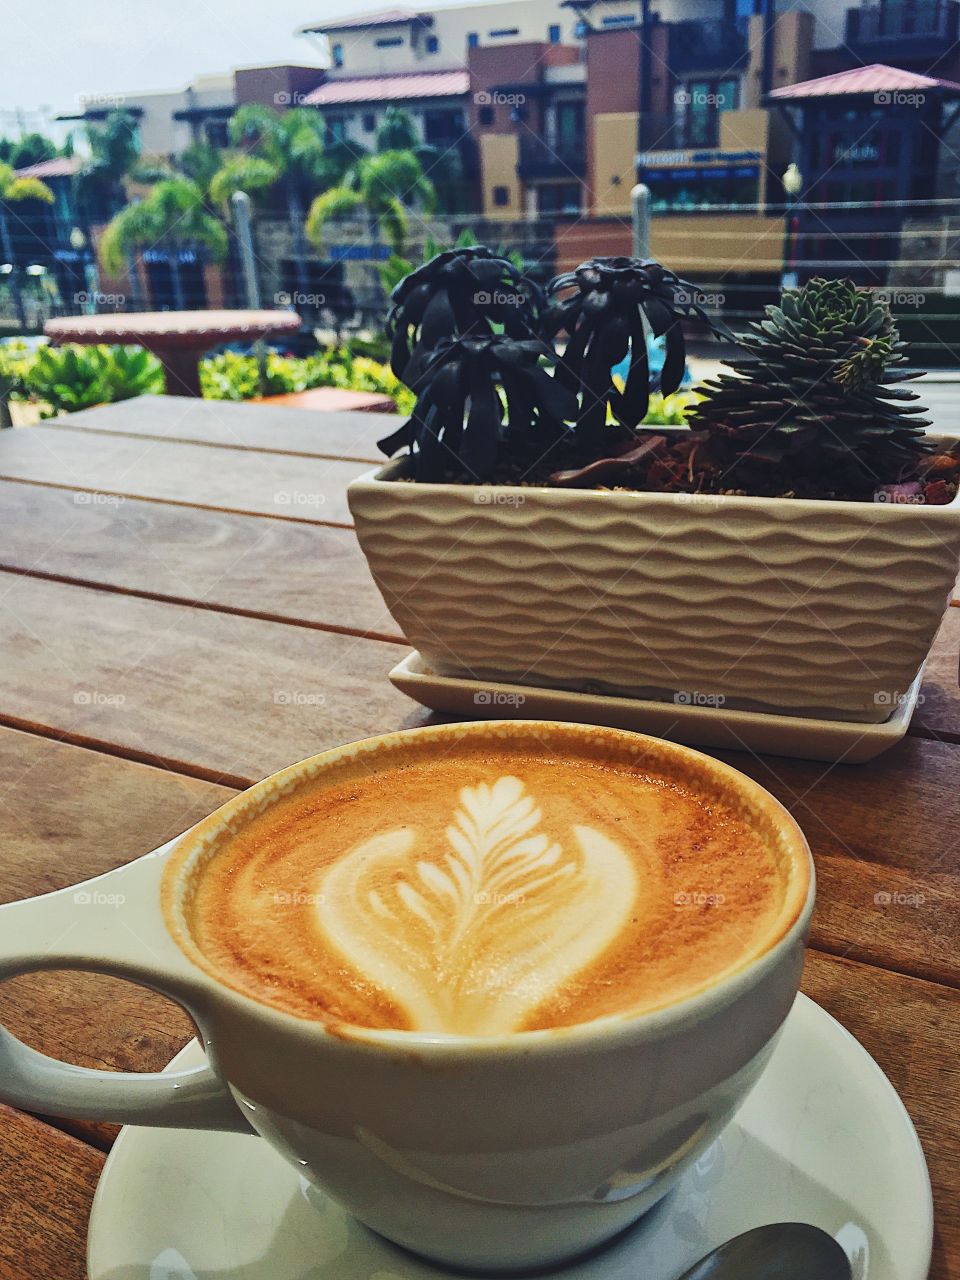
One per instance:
[(114, 150), (14, 190), (99, 189), (384, 186), (288, 148), (443, 166), (173, 214)]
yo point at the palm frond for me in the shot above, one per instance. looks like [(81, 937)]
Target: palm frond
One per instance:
[(242, 173), (397, 131), (334, 203), (393, 218), (173, 212), (26, 189), (255, 126)]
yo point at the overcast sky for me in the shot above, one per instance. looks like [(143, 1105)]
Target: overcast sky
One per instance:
[(54, 51)]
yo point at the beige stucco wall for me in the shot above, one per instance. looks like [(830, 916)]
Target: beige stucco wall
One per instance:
[(498, 159), (613, 155), (451, 24), (793, 38), (708, 245)]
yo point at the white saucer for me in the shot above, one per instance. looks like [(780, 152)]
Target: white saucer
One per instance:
[(722, 728), (822, 1139)]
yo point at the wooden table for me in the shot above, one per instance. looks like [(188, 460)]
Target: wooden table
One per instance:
[(177, 338), (169, 569)]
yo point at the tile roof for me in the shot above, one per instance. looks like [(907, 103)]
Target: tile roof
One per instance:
[(875, 78), (58, 167), (414, 84), (382, 18)]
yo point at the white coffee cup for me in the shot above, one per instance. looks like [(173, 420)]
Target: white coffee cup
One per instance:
[(496, 1152)]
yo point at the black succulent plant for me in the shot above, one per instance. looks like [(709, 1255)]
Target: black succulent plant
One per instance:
[(465, 292), (606, 316), (474, 338), (473, 395)]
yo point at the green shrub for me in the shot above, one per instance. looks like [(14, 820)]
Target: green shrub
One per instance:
[(73, 377), (231, 376), (16, 357)]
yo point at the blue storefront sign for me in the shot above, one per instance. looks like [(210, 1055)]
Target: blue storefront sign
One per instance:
[(359, 252), (688, 174)]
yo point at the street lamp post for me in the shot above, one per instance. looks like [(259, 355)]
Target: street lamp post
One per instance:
[(792, 181), (88, 267)]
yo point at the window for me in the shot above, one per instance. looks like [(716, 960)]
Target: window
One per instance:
[(688, 189), (337, 52), (553, 33), (501, 196), (698, 105), (442, 126), (473, 39), (570, 131), (559, 198), (433, 44), (485, 115), (336, 128), (369, 122), (389, 42), (500, 32), (217, 133)]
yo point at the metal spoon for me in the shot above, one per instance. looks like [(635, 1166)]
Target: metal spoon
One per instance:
[(780, 1251)]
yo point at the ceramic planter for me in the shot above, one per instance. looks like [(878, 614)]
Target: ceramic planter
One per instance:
[(799, 606)]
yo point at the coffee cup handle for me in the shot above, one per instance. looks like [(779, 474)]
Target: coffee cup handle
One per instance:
[(110, 925)]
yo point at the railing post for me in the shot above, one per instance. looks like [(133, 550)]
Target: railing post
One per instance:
[(248, 265), (640, 218)]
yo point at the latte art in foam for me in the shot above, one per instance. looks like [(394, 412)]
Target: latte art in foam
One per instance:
[(473, 938), (537, 878)]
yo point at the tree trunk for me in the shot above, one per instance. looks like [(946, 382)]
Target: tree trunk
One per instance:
[(5, 418), (6, 250), (176, 279), (299, 241), (133, 274)]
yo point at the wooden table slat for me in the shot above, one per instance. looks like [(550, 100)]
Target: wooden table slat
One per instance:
[(238, 425), (47, 1181), (938, 714), (303, 573), (253, 483), (912, 1029), (223, 697)]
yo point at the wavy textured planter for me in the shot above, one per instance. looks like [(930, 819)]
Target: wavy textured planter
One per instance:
[(801, 606)]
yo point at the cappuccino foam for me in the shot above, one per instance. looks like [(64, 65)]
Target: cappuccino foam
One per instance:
[(483, 886)]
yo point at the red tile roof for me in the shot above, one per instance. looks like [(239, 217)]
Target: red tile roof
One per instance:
[(58, 167), (876, 78), (414, 84), (383, 18)]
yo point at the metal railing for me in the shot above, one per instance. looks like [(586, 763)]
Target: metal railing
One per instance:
[(911, 20), (909, 251), (706, 44), (561, 157)]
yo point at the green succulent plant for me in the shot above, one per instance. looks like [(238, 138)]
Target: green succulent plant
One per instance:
[(815, 398)]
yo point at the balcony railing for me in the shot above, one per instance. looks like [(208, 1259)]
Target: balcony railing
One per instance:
[(915, 26), (561, 158), (707, 44)]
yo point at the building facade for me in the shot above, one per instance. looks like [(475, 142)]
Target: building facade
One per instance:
[(556, 108)]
